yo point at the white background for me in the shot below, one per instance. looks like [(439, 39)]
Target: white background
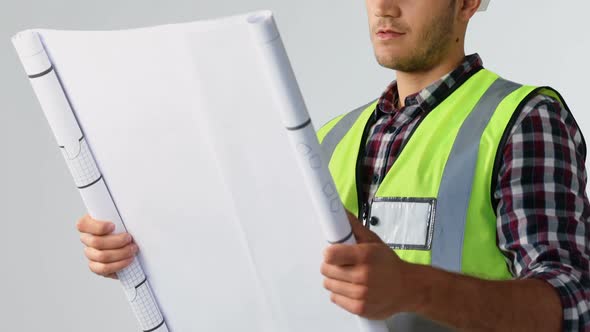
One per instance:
[(44, 281)]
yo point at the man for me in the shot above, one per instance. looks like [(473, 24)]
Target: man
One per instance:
[(478, 184)]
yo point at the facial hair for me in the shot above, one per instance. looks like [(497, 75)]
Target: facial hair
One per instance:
[(433, 45)]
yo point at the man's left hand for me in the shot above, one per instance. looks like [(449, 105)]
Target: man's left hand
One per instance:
[(367, 279)]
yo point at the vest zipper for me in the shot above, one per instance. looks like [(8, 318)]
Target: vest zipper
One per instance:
[(381, 176), (363, 207), (387, 152), (365, 214)]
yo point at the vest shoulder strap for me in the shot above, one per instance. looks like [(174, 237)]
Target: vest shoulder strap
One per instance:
[(454, 193), (337, 132)]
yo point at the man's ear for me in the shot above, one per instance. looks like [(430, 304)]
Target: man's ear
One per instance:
[(467, 8)]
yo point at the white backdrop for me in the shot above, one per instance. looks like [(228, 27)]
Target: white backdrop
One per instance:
[(44, 282)]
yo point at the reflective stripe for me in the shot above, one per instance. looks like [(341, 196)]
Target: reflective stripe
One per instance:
[(455, 188), (335, 135)]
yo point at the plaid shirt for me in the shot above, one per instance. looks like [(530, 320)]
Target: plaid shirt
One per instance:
[(542, 212)]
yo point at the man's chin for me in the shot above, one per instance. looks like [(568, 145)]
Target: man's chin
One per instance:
[(402, 65), (387, 65), (391, 58), (388, 62)]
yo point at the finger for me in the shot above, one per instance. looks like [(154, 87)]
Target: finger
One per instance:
[(346, 254), (95, 227), (353, 306), (350, 290), (362, 233), (357, 274), (111, 256), (341, 254), (112, 241), (350, 216), (108, 269)]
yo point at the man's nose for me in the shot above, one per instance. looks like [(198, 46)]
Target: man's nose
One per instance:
[(385, 8)]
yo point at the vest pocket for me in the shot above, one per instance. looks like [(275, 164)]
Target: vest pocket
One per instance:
[(403, 222)]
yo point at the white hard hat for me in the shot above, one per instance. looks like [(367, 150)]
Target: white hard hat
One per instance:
[(484, 5)]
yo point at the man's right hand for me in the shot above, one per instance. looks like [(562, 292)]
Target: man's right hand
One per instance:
[(107, 253)]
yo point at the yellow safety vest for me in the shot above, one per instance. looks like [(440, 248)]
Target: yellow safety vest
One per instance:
[(444, 175)]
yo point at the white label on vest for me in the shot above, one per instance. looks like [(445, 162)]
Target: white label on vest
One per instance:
[(403, 223)]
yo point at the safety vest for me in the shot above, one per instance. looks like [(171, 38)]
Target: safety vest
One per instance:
[(436, 200), (434, 206)]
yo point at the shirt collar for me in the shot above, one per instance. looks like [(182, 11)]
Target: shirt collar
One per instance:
[(429, 97)]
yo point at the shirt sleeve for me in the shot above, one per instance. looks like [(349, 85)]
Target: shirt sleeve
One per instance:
[(543, 210)]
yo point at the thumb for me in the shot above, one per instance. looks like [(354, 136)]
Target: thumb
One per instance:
[(362, 233)]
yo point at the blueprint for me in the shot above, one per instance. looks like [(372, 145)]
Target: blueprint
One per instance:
[(180, 135)]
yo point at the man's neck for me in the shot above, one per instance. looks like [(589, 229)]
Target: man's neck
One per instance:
[(409, 83)]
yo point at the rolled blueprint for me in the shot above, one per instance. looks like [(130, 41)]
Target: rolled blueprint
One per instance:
[(320, 184), (84, 170)]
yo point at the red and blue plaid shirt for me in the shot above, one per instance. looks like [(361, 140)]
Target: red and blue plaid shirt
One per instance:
[(542, 213)]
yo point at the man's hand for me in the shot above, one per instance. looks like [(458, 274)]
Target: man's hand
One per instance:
[(370, 280), (107, 253), (367, 279)]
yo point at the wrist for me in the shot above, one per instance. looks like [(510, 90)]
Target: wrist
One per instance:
[(416, 280)]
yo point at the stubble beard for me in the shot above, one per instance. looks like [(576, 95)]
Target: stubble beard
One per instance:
[(433, 45)]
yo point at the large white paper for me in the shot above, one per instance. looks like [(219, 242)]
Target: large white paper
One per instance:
[(198, 163)]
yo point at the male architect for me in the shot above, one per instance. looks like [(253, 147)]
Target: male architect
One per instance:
[(501, 164)]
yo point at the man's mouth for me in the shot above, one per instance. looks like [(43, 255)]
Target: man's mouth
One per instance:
[(388, 34)]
